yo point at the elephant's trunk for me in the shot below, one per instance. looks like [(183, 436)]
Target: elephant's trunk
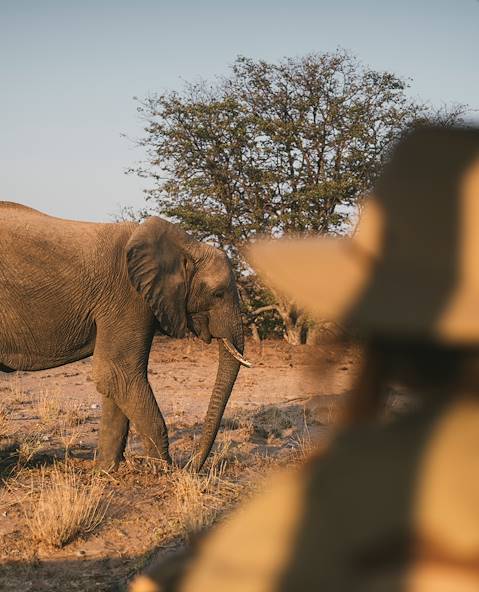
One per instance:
[(228, 367)]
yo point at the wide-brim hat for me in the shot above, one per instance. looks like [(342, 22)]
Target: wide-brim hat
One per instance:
[(411, 269)]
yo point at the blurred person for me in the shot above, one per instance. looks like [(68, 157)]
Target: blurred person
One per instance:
[(389, 505)]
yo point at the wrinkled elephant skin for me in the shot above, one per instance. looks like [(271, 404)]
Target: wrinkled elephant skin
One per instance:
[(69, 290)]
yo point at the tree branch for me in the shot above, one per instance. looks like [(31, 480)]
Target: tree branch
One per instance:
[(262, 309)]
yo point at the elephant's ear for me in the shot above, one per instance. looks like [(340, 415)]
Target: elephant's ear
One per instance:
[(158, 264)]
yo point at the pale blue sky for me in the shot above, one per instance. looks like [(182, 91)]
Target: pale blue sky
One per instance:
[(69, 70)]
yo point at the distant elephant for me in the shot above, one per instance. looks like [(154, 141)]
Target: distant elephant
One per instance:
[(70, 289)]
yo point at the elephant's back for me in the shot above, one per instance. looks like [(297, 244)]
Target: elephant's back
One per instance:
[(15, 217), (35, 246), (51, 277), (38, 238), (12, 208), (41, 252)]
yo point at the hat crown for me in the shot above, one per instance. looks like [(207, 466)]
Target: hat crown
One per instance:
[(421, 193)]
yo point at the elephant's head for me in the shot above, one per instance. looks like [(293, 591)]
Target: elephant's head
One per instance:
[(191, 285)]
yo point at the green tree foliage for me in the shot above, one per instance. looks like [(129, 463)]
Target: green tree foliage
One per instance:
[(273, 149)]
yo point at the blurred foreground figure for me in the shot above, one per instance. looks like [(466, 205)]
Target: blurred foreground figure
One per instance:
[(389, 506)]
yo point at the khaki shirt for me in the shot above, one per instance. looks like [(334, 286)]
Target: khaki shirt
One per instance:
[(387, 508)]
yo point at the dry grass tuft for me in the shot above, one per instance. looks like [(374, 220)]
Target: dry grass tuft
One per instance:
[(194, 502), (198, 499), (30, 446), (144, 465), (62, 417), (6, 425), (47, 406), (267, 422), (64, 506), (74, 413), (303, 446), (50, 407), (68, 436), (239, 420), (302, 442), (271, 421), (14, 389)]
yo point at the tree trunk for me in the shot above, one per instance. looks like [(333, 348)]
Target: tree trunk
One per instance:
[(255, 333), (294, 321), (293, 335), (313, 335)]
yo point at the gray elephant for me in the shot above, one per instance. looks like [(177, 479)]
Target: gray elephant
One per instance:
[(70, 289)]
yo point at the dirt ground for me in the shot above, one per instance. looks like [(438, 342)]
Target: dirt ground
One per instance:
[(51, 418)]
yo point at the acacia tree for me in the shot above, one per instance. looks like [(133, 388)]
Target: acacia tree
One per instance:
[(273, 149)]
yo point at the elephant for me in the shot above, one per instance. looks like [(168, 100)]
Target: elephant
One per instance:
[(70, 290)]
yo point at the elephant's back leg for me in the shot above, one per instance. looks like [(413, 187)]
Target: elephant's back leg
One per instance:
[(113, 434)]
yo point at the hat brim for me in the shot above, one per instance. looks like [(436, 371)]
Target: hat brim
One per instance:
[(329, 277), (325, 276)]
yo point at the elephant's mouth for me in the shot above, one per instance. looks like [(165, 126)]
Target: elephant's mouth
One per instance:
[(198, 324)]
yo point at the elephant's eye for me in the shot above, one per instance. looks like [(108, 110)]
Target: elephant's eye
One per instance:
[(219, 293)]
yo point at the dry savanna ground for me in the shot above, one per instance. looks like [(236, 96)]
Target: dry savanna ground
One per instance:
[(65, 526)]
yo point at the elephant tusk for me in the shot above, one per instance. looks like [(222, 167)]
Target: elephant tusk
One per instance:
[(235, 353)]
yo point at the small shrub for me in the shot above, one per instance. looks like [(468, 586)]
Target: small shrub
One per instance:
[(271, 421), (66, 506), (240, 420)]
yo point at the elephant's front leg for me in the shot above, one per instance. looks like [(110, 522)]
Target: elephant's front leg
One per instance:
[(142, 409), (127, 396)]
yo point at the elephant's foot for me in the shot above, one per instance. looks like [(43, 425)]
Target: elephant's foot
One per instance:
[(156, 453), (155, 440), (110, 455), (155, 466), (107, 464)]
